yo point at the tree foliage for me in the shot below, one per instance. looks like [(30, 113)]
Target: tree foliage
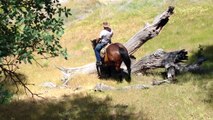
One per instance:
[(27, 28)]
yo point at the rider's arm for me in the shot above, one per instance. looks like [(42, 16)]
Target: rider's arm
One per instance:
[(110, 40), (98, 39), (100, 36)]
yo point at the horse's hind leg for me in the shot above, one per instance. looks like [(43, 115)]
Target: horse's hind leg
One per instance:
[(128, 65), (129, 74), (120, 75), (109, 71), (117, 68)]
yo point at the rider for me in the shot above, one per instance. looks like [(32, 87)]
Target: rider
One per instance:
[(104, 38)]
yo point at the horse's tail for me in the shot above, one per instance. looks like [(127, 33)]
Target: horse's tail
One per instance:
[(127, 61)]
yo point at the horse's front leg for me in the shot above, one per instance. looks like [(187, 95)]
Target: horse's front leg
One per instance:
[(98, 67)]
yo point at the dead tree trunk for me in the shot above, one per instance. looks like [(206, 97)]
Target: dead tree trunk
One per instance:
[(159, 59), (173, 62)]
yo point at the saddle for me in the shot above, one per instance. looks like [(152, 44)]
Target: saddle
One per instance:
[(103, 50)]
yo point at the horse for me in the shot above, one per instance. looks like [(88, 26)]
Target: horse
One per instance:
[(114, 55)]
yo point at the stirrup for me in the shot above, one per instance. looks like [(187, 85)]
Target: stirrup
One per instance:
[(99, 63)]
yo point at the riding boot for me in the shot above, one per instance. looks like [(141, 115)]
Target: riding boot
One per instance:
[(99, 63)]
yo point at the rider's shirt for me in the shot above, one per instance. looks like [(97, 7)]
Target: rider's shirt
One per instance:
[(106, 36)]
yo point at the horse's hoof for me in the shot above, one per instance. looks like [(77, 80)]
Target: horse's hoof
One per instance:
[(100, 77), (128, 80)]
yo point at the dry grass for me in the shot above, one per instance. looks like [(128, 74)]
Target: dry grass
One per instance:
[(190, 98)]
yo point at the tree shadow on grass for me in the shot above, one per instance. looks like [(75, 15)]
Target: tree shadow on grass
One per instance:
[(14, 82), (204, 76), (75, 107), (11, 85)]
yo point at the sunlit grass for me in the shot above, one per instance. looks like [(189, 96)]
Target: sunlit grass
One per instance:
[(190, 26)]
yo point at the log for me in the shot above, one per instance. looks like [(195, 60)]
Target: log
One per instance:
[(173, 62), (148, 32), (160, 59), (68, 73)]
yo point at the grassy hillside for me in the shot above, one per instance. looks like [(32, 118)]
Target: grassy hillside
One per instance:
[(190, 98)]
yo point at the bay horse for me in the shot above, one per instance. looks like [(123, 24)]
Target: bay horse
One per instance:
[(114, 55)]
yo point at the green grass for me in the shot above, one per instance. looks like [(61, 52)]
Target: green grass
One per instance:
[(191, 98)]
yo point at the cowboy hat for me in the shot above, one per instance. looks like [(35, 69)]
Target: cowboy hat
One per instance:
[(105, 24)]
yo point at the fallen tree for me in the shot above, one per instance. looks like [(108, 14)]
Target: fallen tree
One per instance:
[(173, 62), (159, 59)]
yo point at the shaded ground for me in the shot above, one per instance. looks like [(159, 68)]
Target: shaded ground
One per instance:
[(79, 107)]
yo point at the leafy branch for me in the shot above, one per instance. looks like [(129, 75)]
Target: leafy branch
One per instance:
[(29, 28)]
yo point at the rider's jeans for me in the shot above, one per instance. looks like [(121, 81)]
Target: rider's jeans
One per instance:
[(98, 48)]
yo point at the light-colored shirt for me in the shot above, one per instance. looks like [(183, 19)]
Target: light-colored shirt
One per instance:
[(106, 35)]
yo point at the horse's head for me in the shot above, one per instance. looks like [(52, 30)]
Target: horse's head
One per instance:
[(94, 43)]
